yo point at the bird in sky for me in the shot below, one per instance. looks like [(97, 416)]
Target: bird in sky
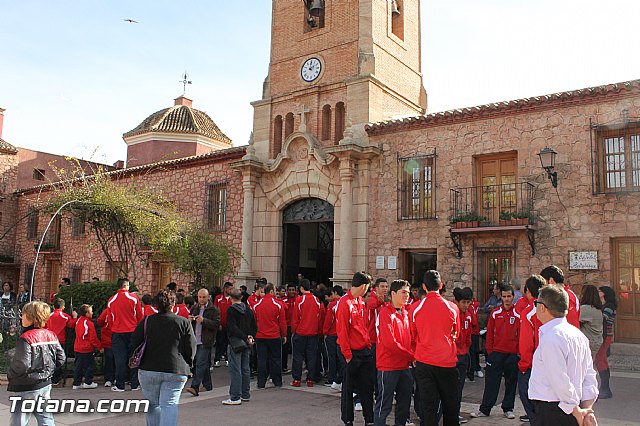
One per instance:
[(131, 21)]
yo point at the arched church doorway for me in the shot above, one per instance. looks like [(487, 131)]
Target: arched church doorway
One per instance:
[(308, 240)]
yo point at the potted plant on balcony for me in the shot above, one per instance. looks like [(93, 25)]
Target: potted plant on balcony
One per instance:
[(520, 218), (468, 220), (506, 218)]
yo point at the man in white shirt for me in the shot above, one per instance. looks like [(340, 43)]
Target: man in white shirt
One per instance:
[(563, 383)]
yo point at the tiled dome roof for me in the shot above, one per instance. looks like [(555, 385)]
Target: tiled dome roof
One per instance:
[(180, 119)]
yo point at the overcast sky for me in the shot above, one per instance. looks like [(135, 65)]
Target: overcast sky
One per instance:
[(74, 76)]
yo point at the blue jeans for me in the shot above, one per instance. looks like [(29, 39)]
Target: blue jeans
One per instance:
[(240, 373), (83, 367), (202, 372), (163, 392), (122, 350), (20, 418), (523, 388)]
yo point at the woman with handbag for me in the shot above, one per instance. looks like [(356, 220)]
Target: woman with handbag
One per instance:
[(165, 346)]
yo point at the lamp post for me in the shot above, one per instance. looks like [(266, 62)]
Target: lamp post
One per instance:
[(548, 161)]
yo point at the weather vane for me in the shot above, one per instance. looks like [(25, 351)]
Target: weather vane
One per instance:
[(185, 80)]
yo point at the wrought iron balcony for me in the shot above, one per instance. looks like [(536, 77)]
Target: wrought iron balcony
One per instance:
[(490, 206)]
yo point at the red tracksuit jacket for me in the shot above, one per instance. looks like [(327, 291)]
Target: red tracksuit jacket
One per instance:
[(528, 341), (521, 305), (289, 302), (307, 316), (86, 337), (473, 310), (181, 310), (573, 316), (329, 327), (463, 342), (148, 310), (435, 326), (271, 318), (252, 300), (58, 323), (393, 347), (105, 330), (222, 302), (351, 325), (125, 311), (374, 305), (502, 331)]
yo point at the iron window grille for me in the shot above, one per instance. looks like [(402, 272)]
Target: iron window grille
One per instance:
[(416, 187), (217, 206), (615, 150), (32, 225)]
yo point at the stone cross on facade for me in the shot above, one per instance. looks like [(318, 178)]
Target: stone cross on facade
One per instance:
[(303, 111)]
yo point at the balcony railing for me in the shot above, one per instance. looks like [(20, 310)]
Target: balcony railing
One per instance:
[(492, 205)]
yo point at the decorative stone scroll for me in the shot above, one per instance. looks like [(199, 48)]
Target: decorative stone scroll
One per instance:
[(308, 210)]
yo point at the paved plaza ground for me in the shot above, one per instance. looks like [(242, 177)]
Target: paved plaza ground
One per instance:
[(311, 406)]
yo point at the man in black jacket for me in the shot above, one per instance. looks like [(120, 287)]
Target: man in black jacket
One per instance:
[(241, 331), (205, 319)]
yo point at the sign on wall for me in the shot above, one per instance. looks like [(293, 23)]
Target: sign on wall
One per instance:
[(392, 261), (379, 262), (583, 260)]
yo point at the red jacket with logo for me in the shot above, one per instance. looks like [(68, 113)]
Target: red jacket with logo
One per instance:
[(59, 322), (222, 302), (86, 337), (528, 341), (393, 347), (329, 327), (307, 316), (374, 306), (105, 330), (148, 310), (435, 325), (503, 331), (573, 316), (252, 300), (125, 311), (521, 305), (181, 310), (271, 318), (463, 342), (473, 310), (289, 302), (351, 325)]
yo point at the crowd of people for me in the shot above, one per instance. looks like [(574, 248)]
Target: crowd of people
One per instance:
[(376, 343)]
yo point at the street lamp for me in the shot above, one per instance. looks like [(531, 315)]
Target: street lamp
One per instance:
[(548, 161)]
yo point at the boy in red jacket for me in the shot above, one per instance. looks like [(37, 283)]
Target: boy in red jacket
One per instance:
[(462, 298), (222, 302), (554, 275), (502, 356), (59, 322), (306, 325), (394, 356), (331, 339), (181, 309), (272, 331), (86, 342), (289, 300), (105, 339)]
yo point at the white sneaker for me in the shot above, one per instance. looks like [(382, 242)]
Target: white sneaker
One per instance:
[(231, 402), (226, 363), (358, 407), (77, 387), (216, 364), (409, 423), (336, 386), (91, 385), (462, 420), (477, 414), (479, 374), (108, 384), (117, 389), (509, 415), (135, 389)]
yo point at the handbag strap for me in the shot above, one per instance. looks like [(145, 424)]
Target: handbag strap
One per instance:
[(145, 329)]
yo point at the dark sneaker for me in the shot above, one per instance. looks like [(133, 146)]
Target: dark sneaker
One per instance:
[(193, 391)]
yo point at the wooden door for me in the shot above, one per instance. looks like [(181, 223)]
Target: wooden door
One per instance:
[(165, 272), (54, 276), (494, 267), (626, 276), (497, 176)]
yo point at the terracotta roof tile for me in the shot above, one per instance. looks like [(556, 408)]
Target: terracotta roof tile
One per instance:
[(180, 119), (7, 148), (504, 108)]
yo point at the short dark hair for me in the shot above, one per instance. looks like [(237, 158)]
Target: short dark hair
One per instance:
[(82, 310), (235, 294), (165, 300), (268, 288), (431, 280), (378, 281), (397, 285), (260, 284), (337, 289), (58, 303), (147, 299), (556, 299), (189, 300), (292, 285), (66, 280), (533, 284), (172, 286), (360, 278), (305, 284), (461, 294), (590, 296), (227, 284), (122, 282), (243, 287), (507, 288), (179, 298), (553, 272), (468, 293)]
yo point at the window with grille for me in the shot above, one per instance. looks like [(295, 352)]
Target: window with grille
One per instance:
[(38, 174), (28, 272), (76, 274), (617, 158), (77, 226), (416, 178), (217, 206), (32, 225)]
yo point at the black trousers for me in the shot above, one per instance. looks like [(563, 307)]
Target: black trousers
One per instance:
[(498, 365), (549, 413), (335, 360), (221, 344), (304, 347), (358, 374), (400, 383), (438, 385), (463, 367), (83, 367), (269, 361), (286, 350)]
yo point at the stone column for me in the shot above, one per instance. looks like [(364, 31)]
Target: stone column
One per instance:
[(248, 187), (345, 250)]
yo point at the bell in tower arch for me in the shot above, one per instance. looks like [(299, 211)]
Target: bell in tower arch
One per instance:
[(316, 7)]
